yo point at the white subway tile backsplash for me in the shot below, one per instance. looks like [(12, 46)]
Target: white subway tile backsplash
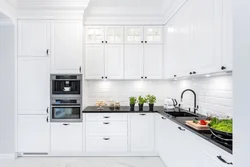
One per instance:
[(214, 94)]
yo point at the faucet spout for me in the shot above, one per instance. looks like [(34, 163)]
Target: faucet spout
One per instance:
[(190, 90)]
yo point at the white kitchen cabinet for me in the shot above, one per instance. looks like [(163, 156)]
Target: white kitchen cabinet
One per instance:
[(33, 38), (66, 52), (153, 57), (114, 35), (194, 40), (104, 62), (153, 34), (66, 137), (33, 86), (134, 34), (133, 57), (114, 61), (94, 62), (94, 34), (33, 134), (142, 132)]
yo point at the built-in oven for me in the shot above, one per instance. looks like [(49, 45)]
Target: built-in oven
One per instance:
[(66, 110), (66, 85)]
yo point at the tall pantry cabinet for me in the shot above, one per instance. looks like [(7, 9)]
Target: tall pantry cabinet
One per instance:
[(44, 47)]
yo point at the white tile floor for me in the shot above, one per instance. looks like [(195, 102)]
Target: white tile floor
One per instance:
[(84, 162)]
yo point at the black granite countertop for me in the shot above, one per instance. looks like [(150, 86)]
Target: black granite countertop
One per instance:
[(159, 109)]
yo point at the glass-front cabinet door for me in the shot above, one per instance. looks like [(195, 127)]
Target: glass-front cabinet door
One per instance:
[(153, 34), (134, 34), (94, 34), (114, 34)]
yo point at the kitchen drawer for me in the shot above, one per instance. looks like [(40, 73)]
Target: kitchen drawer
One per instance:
[(107, 128), (107, 117), (106, 144)]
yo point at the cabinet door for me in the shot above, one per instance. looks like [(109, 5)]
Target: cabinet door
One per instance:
[(94, 34), (94, 62), (33, 134), (66, 47), (114, 34), (153, 61), (134, 34), (153, 34), (33, 86), (33, 38), (66, 137), (114, 61), (133, 61), (142, 132)]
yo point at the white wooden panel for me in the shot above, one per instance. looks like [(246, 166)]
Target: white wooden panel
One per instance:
[(107, 117)]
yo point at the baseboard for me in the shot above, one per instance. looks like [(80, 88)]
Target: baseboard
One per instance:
[(7, 156)]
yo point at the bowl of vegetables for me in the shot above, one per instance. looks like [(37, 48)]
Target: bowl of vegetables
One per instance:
[(222, 128)]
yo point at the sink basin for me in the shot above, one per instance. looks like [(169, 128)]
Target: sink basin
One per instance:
[(181, 114)]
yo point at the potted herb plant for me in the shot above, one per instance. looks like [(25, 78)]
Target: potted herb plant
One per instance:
[(132, 101), (141, 101), (151, 101)]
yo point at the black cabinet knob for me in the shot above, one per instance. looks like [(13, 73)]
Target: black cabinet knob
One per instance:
[(146, 41), (141, 41), (194, 72), (175, 75), (146, 77), (106, 77), (190, 73), (102, 41), (223, 68), (102, 77), (141, 77), (106, 42)]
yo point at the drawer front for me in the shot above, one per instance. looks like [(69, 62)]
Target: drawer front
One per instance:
[(107, 128), (66, 137), (107, 117), (107, 144)]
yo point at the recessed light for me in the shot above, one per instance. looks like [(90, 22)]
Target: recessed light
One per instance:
[(208, 75)]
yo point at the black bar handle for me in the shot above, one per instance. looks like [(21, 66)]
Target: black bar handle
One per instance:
[(80, 69), (224, 161), (47, 52), (106, 123), (47, 119), (163, 118), (106, 117), (181, 129), (47, 110), (142, 114), (106, 138), (66, 124)]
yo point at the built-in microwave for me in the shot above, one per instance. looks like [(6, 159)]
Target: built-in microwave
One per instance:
[(66, 86), (66, 110)]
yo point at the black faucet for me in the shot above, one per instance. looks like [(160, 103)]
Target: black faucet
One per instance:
[(190, 90)]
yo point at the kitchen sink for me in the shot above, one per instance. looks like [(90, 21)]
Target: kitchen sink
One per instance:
[(181, 114)]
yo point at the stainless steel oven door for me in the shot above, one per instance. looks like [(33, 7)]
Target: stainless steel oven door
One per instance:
[(69, 113)]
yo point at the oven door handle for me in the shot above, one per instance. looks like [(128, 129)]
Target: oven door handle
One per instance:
[(75, 106)]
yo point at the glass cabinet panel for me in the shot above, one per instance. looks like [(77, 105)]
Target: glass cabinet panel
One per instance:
[(153, 34), (114, 34), (134, 34), (94, 34)]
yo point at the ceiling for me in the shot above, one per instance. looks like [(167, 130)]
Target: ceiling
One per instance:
[(4, 19)]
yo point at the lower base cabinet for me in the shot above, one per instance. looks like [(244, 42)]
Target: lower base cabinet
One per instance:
[(33, 134), (66, 138), (179, 147)]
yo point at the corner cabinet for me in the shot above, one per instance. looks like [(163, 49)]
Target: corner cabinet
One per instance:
[(142, 132), (66, 50)]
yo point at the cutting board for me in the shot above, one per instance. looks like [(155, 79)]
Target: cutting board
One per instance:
[(197, 126)]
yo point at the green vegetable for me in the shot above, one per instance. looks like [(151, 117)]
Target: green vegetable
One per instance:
[(151, 99), (195, 121), (133, 100), (142, 100), (224, 125)]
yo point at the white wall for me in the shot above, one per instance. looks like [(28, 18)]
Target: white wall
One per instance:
[(241, 82), (214, 94), (7, 90)]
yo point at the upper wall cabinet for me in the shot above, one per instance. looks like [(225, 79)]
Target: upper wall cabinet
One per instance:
[(101, 34), (114, 35), (33, 38), (66, 50), (194, 39), (134, 34), (153, 34), (94, 34)]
